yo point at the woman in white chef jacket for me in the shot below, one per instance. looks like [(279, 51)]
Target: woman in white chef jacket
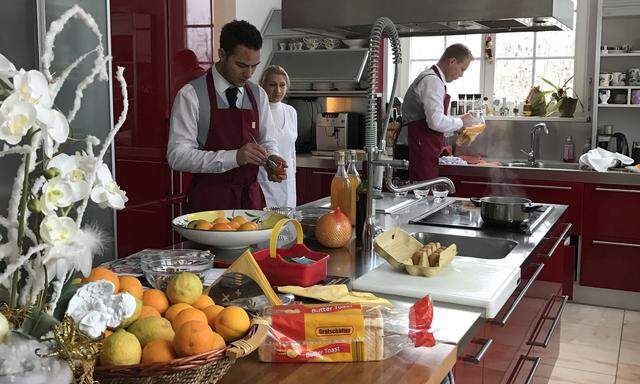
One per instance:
[(275, 82)]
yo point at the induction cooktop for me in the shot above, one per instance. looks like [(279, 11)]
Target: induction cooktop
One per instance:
[(463, 214)]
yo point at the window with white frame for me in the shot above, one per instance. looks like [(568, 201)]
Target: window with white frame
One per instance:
[(520, 61)]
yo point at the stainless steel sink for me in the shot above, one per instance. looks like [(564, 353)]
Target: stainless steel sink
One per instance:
[(541, 164), (478, 247)]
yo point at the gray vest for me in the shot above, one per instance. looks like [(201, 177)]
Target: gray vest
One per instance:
[(204, 105), (412, 107)]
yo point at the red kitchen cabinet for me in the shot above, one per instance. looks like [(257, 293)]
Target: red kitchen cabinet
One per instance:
[(554, 192), (146, 36), (313, 184), (469, 367), (558, 257), (610, 255)]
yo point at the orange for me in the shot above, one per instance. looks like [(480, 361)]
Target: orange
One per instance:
[(212, 312), (220, 220), (222, 227), (203, 302), (232, 323), (102, 273), (173, 310), (157, 351), (249, 226), (148, 311), (194, 338), (189, 314), (239, 219), (235, 225), (203, 224), (132, 285), (157, 299), (106, 333)]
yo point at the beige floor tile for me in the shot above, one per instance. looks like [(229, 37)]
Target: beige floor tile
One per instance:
[(629, 363), (601, 336), (623, 381), (581, 357), (632, 317), (631, 332), (562, 375), (592, 315)]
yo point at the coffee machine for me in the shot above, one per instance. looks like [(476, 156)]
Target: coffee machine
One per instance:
[(337, 131)]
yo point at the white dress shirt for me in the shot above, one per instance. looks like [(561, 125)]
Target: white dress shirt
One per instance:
[(184, 153), (285, 130), (431, 90)]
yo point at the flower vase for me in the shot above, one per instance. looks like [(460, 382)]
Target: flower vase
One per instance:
[(567, 106)]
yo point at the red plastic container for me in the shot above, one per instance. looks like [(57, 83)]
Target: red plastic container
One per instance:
[(281, 272)]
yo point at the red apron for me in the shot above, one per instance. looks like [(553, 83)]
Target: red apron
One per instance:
[(425, 145), (229, 129)]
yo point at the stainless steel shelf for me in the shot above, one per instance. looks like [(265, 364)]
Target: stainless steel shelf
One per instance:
[(356, 93)]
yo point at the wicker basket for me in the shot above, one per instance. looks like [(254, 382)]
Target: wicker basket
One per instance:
[(206, 368)]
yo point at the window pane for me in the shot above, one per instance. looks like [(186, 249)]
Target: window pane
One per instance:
[(512, 79), (198, 12), (468, 83), (517, 44), (427, 47), (418, 66), (199, 41), (556, 43), (555, 70), (473, 42)]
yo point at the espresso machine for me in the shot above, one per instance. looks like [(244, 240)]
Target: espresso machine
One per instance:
[(338, 131)]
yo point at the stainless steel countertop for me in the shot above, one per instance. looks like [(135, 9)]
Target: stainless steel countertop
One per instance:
[(498, 174)]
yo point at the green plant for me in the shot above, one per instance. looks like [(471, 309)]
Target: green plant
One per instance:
[(559, 97)]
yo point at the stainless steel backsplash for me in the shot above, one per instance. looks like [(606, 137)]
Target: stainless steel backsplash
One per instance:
[(503, 139)]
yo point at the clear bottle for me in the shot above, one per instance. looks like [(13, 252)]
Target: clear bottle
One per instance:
[(341, 188), (477, 101), (461, 103), (354, 183), (569, 150)]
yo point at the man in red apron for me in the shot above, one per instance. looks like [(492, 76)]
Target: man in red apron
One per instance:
[(220, 127), (425, 109)]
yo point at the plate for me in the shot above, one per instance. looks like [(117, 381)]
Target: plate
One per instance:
[(227, 239)]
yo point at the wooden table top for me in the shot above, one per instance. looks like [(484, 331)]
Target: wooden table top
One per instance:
[(418, 365)]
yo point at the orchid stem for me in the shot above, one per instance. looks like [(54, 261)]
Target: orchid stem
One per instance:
[(21, 212)]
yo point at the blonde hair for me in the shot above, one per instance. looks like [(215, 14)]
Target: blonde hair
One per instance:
[(274, 70)]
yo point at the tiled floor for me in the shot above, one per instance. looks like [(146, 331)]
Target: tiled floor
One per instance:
[(598, 345)]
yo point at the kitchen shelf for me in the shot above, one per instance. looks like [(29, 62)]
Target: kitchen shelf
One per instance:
[(633, 54), (356, 93), (536, 118), (620, 87), (619, 105)]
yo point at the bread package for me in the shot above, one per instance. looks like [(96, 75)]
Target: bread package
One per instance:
[(323, 333)]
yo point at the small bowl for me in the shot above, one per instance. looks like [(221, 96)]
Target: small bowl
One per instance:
[(158, 269), (330, 43), (421, 193), (440, 191)]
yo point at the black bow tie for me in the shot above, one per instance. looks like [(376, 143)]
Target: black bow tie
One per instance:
[(232, 97)]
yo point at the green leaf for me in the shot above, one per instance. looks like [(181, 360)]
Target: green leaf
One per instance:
[(68, 290), (549, 82)]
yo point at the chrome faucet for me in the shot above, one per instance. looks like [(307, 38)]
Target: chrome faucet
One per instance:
[(376, 164), (534, 149)]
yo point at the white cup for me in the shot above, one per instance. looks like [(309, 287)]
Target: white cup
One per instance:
[(605, 79), (618, 78)]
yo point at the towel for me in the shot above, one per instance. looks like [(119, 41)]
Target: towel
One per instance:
[(601, 159)]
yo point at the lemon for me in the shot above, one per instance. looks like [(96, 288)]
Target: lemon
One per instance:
[(129, 320), (4, 327), (152, 328), (121, 348), (184, 287)]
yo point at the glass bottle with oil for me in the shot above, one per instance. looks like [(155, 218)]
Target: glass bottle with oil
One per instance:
[(354, 181), (341, 188)]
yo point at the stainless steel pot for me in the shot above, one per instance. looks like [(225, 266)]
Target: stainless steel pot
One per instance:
[(504, 210)]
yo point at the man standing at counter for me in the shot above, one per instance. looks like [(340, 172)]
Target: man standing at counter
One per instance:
[(425, 108), (221, 127)]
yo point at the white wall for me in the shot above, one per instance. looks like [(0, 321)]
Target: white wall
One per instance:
[(256, 13)]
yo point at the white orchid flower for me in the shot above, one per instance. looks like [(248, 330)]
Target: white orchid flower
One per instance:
[(55, 128), (32, 87), (72, 172), (106, 193), (56, 193), (7, 70), (16, 118), (57, 230)]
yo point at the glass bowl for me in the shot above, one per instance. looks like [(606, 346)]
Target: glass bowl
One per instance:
[(421, 193), (440, 191), (159, 268)]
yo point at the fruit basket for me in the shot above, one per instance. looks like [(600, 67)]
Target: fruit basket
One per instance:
[(280, 271), (226, 238), (206, 368)]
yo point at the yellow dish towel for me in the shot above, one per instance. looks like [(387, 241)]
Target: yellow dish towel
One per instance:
[(335, 294)]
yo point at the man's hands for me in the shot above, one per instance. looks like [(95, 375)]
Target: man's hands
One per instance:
[(280, 172), (251, 153)]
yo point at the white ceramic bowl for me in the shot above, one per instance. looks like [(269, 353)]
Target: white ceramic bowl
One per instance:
[(227, 239)]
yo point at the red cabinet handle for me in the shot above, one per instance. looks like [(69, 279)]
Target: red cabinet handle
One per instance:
[(555, 319), (486, 343), (502, 322), (518, 367), (630, 245), (618, 190), (560, 240)]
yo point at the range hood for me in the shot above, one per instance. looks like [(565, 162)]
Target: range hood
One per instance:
[(354, 18)]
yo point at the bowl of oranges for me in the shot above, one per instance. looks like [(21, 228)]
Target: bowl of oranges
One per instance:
[(227, 229)]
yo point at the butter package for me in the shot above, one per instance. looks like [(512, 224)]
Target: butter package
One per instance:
[(346, 332)]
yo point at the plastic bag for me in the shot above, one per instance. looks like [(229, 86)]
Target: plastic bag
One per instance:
[(344, 332)]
